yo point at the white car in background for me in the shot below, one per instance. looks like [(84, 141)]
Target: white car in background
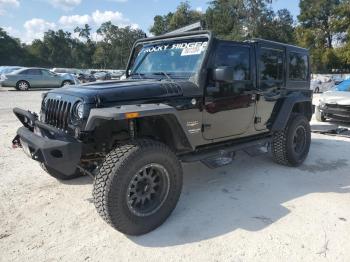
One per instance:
[(321, 86), (335, 104), (315, 85)]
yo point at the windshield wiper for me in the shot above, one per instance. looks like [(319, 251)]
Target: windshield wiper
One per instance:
[(162, 73)]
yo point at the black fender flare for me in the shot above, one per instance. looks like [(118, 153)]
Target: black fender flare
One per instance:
[(286, 110), (98, 115)]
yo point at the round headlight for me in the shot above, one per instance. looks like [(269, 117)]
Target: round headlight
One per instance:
[(79, 110), (44, 102)]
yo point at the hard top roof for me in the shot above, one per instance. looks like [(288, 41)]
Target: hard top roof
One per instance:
[(264, 41), (210, 34)]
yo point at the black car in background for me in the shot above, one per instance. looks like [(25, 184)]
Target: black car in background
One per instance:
[(86, 78), (103, 75)]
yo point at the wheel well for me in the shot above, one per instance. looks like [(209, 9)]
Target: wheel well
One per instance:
[(22, 81), (165, 129), (66, 81), (304, 108)]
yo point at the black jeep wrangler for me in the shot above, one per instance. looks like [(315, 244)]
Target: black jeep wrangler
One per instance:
[(187, 97)]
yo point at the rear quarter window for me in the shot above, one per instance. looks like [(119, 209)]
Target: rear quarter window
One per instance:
[(298, 66)]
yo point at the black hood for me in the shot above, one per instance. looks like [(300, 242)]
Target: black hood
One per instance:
[(114, 91)]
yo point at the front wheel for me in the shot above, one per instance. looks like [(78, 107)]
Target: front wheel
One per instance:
[(22, 85), (291, 146), (138, 186)]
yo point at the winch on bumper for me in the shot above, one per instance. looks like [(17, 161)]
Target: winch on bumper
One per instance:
[(47, 144)]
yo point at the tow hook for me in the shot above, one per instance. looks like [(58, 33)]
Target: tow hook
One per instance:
[(16, 142)]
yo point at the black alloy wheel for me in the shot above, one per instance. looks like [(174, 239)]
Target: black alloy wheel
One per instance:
[(148, 190)]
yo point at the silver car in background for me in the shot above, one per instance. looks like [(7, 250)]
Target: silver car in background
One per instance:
[(26, 78)]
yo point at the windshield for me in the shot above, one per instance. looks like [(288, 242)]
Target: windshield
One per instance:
[(343, 86), (180, 58)]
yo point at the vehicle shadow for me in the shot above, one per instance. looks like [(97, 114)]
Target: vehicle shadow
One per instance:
[(84, 180), (250, 194), (30, 90)]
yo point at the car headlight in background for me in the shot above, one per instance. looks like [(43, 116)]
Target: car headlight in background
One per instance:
[(3, 77)]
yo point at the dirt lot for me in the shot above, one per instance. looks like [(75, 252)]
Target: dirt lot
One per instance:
[(252, 210)]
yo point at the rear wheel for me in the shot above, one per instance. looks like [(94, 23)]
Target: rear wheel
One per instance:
[(138, 186), (22, 85), (317, 90), (66, 83), (291, 146)]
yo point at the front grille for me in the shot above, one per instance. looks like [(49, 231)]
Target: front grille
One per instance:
[(343, 108), (57, 113)]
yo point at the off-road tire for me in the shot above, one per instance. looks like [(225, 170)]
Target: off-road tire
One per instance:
[(282, 142), (24, 83), (58, 175), (319, 116), (114, 177)]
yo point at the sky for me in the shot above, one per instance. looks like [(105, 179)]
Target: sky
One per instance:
[(29, 19)]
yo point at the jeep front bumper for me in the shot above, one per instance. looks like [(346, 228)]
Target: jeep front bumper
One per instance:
[(47, 144)]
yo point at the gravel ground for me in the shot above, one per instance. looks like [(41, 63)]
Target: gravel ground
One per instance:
[(252, 210)]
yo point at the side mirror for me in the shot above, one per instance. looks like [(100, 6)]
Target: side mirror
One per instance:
[(223, 74)]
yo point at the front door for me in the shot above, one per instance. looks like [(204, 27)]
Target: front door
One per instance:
[(230, 107), (50, 79)]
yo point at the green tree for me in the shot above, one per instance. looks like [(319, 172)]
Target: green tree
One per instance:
[(161, 24), (11, 52), (225, 19), (182, 16), (324, 29), (244, 19), (82, 53), (320, 16), (116, 44), (84, 32)]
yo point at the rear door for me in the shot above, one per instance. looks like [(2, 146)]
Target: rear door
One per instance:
[(34, 77), (230, 107), (271, 81)]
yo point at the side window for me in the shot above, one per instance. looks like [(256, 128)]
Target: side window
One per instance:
[(33, 72), (24, 72), (271, 65), (298, 66), (237, 57), (47, 73)]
